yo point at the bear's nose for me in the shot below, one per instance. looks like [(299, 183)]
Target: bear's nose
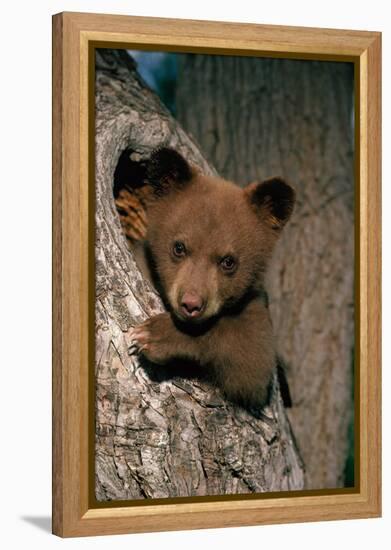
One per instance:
[(191, 304)]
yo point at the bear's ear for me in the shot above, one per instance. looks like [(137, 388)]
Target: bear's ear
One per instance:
[(166, 169), (273, 199)]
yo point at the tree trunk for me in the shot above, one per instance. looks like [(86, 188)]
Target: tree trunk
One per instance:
[(159, 435), (261, 117)]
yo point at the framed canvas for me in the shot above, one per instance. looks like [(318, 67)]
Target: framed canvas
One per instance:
[(216, 274)]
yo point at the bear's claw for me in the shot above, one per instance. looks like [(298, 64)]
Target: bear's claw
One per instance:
[(139, 340)]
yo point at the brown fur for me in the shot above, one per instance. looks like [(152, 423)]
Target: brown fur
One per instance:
[(214, 219)]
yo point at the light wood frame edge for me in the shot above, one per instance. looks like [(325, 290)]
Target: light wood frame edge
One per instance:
[(71, 35)]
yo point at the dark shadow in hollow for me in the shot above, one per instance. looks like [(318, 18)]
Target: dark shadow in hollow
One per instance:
[(129, 173)]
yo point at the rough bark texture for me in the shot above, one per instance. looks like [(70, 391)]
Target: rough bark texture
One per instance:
[(256, 118), (158, 436)]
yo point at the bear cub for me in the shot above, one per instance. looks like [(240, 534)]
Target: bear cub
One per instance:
[(209, 243)]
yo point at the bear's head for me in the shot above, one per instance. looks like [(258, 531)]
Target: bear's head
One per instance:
[(210, 240)]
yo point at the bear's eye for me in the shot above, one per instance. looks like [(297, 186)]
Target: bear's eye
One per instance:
[(228, 263), (179, 249)]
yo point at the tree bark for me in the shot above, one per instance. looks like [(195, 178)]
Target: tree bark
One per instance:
[(257, 118), (159, 435)]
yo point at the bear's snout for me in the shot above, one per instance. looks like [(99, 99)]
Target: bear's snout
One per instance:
[(191, 305)]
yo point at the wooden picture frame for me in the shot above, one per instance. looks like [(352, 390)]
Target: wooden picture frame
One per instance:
[(74, 37)]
